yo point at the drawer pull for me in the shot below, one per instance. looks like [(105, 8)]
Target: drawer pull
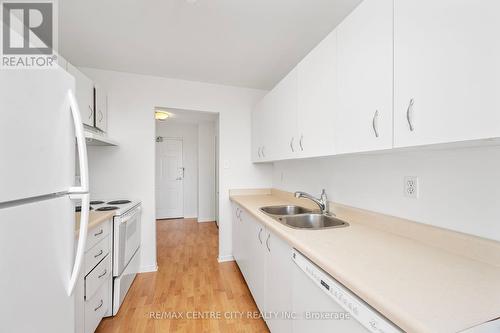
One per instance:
[(99, 254), (104, 273), (99, 233), (100, 305)]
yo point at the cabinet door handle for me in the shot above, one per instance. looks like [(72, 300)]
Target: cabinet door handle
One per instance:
[(260, 232), (99, 233), (300, 142), (263, 155), (258, 152), (291, 145), (238, 213), (91, 112), (375, 123), (103, 273), (409, 112), (101, 116), (267, 242), (99, 254), (100, 305)]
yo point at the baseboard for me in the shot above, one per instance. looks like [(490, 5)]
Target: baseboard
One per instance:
[(190, 217), (225, 258), (204, 220), (149, 269)]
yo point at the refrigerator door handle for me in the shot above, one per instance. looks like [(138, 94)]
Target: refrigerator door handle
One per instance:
[(81, 144), (82, 239)]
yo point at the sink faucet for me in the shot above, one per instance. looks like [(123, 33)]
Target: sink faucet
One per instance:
[(322, 202)]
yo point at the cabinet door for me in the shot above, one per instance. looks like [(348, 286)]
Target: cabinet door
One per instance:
[(278, 285), (256, 262), (240, 242), (317, 99), (259, 131), (101, 108), (365, 63), (84, 94), (447, 61), (237, 233), (282, 118)]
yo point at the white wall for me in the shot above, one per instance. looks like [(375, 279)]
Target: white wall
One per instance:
[(129, 170), (459, 189), (189, 135), (206, 172)]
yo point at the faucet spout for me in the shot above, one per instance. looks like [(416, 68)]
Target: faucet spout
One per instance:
[(322, 202)]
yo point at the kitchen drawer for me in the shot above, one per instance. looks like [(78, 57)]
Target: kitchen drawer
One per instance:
[(96, 307), (97, 253), (97, 233), (97, 277)]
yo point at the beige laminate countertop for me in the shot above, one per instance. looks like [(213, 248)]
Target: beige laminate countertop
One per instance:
[(95, 219), (419, 287)]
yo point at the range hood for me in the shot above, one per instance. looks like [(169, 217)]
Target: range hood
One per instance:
[(96, 139)]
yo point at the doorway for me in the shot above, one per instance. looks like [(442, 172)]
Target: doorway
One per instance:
[(186, 165), (169, 178)]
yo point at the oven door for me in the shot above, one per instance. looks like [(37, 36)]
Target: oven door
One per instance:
[(127, 239)]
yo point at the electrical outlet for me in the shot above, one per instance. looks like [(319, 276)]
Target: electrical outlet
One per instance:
[(411, 187)]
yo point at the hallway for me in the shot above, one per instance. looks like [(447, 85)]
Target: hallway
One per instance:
[(189, 283)]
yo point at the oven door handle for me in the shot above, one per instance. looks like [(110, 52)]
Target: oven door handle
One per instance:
[(130, 215)]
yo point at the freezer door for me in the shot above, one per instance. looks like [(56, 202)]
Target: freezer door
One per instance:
[(37, 137), (36, 260)]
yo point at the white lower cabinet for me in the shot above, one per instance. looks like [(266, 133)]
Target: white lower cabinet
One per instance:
[(96, 307), (265, 262), (94, 288), (257, 262), (278, 284)]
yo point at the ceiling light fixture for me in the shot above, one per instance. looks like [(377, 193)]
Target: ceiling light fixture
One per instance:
[(161, 115)]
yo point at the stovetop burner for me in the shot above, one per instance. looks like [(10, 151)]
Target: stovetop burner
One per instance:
[(96, 202), (106, 208), (119, 202), (79, 208)]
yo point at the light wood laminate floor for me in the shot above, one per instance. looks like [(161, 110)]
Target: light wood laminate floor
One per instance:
[(189, 282)]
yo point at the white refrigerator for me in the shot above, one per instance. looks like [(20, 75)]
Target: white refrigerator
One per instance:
[(41, 134)]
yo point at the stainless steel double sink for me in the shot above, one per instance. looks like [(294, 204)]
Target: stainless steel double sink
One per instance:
[(302, 218)]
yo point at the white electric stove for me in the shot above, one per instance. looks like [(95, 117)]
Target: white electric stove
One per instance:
[(126, 244)]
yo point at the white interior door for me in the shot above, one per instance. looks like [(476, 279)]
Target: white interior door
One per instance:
[(169, 179)]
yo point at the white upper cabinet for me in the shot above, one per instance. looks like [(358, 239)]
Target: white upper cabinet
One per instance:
[(260, 131), (101, 108), (363, 121), (317, 99), (447, 71), (84, 94), (394, 73), (284, 138)]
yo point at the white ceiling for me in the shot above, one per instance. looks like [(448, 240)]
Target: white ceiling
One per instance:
[(251, 43)]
